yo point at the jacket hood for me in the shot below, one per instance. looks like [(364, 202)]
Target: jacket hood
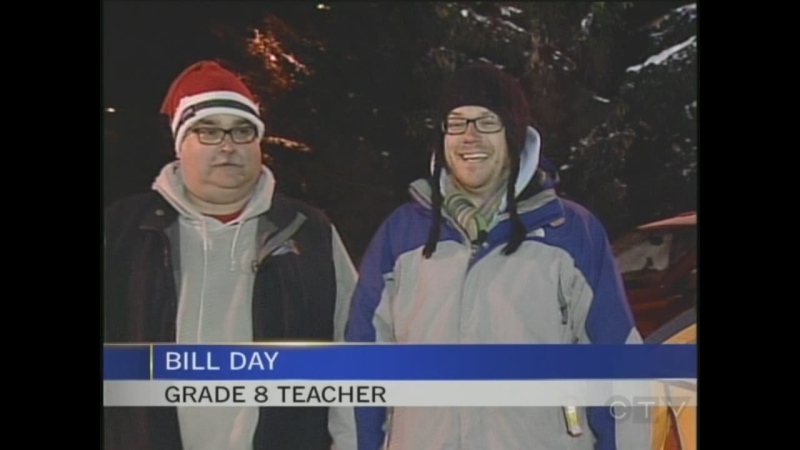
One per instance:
[(169, 183)]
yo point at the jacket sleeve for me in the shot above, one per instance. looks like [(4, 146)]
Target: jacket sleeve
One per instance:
[(369, 321), (601, 315)]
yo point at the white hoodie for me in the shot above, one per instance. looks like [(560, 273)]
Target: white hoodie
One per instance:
[(215, 287)]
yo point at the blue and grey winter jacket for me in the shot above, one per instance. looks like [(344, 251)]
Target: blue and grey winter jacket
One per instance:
[(560, 286)]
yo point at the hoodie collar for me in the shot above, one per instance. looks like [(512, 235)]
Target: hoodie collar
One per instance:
[(169, 183)]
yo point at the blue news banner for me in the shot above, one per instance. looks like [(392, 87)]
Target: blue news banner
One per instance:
[(340, 373)]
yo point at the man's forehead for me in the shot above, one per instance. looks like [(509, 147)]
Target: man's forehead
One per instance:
[(470, 110)]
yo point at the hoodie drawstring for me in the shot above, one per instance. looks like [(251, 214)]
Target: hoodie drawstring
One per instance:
[(204, 233), (233, 266)]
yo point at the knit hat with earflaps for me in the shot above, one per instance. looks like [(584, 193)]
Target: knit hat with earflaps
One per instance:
[(485, 85)]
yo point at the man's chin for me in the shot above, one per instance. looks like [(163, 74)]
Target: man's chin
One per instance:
[(230, 184), (473, 184)]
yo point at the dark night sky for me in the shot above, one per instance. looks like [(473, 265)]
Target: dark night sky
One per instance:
[(145, 44), (144, 47)]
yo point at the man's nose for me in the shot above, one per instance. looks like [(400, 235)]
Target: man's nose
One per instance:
[(471, 134), (227, 144)]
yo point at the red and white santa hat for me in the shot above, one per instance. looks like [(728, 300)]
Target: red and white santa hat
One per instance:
[(204, 89)]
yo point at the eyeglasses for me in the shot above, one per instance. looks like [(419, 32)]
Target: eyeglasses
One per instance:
[(244, 134), (485, 125)]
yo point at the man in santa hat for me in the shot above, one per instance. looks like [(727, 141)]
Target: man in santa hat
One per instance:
[(213, 254)]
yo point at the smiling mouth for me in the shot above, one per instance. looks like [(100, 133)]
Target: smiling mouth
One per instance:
[(473, 157)]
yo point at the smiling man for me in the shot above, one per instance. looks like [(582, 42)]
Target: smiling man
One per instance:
[(486, 252), (214, 255)]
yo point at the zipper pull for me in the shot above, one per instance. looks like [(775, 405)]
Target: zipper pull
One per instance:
[(571, 416), (479, 242)]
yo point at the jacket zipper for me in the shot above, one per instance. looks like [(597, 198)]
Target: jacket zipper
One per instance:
[(474, 247)]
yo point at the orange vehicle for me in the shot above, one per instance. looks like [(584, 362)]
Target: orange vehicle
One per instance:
[(675, 420), (658, 263)]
